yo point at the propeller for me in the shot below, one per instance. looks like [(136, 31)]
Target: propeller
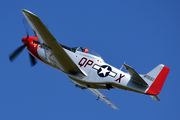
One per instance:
[(13, 55)]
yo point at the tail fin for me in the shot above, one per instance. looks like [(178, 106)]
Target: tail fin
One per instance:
[(155, 79)]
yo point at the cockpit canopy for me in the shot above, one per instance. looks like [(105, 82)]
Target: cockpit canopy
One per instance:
[(85, 50), (82, 49)]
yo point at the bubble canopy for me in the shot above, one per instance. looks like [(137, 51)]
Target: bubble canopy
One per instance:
[(85, 50)]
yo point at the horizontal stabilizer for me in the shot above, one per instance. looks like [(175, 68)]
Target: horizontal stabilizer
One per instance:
[(155, 97), (134, 75)]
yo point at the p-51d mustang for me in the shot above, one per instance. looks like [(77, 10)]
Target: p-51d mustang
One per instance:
[(85, 67)]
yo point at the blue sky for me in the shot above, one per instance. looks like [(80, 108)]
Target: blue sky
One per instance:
[(143, 33)]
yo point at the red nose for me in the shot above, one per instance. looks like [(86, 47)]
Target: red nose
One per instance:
[(24, 40)]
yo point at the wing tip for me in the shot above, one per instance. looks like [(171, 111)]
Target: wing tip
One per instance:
[(24, 11)]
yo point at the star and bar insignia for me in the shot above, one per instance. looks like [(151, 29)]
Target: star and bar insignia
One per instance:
[(104, 70)]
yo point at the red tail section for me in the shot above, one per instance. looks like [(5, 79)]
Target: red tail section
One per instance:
[(158, 83)]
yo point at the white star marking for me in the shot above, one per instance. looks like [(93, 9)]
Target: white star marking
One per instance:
[(111, 73), (104, 71)]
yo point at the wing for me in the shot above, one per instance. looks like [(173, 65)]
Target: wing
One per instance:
[(102, 98), (47, 39)]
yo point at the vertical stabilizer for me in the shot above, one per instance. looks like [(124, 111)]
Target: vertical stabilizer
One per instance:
[(155, 79)]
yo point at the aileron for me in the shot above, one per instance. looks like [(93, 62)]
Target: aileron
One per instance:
[(102, 98)]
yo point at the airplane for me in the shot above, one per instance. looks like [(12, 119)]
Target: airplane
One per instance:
[(85, 67)]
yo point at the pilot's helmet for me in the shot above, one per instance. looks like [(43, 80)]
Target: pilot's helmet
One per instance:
[(86, 50)]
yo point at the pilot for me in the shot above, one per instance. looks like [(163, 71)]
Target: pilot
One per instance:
[(86, 50)]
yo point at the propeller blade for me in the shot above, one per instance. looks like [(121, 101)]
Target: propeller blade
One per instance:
[(32, 60), (35, 33), (16, 52), (26, 26)]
